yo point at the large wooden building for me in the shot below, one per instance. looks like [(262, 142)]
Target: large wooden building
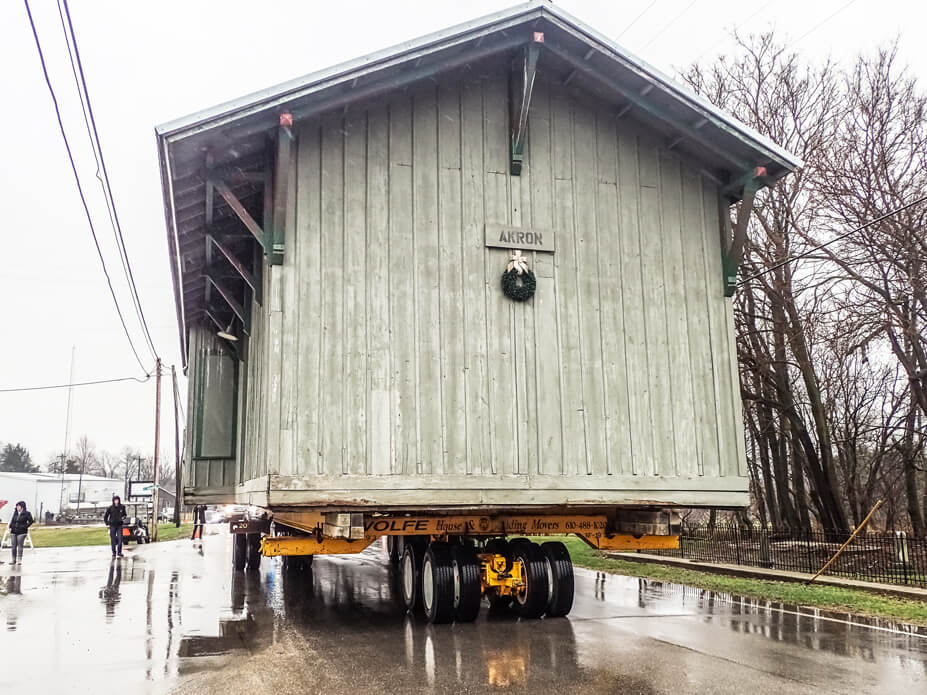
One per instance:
[(337, 245)]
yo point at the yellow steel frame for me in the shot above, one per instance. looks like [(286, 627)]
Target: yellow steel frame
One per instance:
[(625, 541), (591, 528), (495, 577), (311, 545)]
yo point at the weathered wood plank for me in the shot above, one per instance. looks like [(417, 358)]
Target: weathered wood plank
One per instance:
[(652, 260), (505, 499), (717, 322), (500, 339), (379, 433), (289, 390), (641, 460), (697, 298), (355, 271), (429, 264), (615, 377), (332, 296), (499, 309), (574, 436), (451, 319), (274, 367), (474, 298), (430, 483), (401, 290), (588, 278), (309, 256), (544, 303), (684, 437), (525, 342)]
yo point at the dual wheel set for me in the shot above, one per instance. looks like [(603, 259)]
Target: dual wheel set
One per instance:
[(246, 551), (448, 580)]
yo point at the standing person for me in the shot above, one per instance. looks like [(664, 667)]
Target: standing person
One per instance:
[(19, 528), (114, 516), (199, 518)]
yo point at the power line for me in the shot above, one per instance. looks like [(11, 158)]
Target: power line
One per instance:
[(75, 384), (668, 24), (821, 23), (831, 241), (80, 189), (91, 125), (634, 21)]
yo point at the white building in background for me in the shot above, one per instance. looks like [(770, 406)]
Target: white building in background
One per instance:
[(50, 492)]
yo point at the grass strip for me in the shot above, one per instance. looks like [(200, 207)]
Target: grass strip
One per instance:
[(820, 596), (73, 536)]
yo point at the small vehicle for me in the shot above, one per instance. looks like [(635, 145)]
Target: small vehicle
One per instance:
[(135, 530)]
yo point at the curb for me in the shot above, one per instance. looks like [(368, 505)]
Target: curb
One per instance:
[(906, 592)]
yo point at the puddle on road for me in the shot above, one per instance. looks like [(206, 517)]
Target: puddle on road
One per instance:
[(167, 615)]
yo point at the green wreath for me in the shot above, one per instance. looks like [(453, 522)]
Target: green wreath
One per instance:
[(519, 292)]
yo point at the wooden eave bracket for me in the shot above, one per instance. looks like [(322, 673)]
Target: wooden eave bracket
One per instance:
[(734, 237), (232, 259), (521, 85), (234, 305), (244, 216)]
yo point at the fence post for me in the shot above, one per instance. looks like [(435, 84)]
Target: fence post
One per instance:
[(808, 555), (901, 552), (765, 554)]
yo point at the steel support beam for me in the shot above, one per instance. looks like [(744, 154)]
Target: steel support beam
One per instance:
[(521, 84)]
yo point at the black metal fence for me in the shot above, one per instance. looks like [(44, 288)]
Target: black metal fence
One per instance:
[(890, 557)]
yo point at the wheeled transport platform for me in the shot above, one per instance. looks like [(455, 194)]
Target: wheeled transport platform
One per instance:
[(449, 564)]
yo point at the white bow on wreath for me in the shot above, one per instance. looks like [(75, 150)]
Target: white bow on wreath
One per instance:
[(517, 262)]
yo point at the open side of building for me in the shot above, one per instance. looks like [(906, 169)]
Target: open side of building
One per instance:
[(337, 245)]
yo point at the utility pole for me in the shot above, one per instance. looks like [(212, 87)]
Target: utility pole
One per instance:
[(157, 473), (178, 487)]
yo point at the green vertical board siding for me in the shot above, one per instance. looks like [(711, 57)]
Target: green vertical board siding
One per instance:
[(397, 356)]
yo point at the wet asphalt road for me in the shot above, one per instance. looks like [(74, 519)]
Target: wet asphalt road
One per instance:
[(174, 618)]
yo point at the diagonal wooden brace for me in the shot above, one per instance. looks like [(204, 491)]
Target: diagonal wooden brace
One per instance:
[(246, 219), (234, 305), (733, 240), (521, 85)]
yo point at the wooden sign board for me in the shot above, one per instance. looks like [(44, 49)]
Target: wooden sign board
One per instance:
[(506, 237)]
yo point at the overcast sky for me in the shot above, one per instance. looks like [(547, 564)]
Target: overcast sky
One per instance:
[(150, 62)]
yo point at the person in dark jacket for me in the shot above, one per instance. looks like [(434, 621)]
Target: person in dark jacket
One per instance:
[(19, 528), (114, 516)]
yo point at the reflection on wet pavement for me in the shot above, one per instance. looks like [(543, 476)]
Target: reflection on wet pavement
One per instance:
[(174, 617)]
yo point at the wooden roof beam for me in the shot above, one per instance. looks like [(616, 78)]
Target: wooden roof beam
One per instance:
[(243, 215), (233, 260), (226, 294)]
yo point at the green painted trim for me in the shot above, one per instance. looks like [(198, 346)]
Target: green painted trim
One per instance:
[(199, 399)]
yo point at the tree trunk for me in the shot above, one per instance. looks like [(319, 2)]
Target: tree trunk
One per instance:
[(909, 461)]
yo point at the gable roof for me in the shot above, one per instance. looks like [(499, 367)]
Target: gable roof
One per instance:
[(235, 132)]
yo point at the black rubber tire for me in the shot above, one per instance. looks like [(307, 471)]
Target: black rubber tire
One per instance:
[(438, 584), (297, 563), (532, 601), (468, 593), (239, 551), (392, 549), (254, 551), (411, 575), (560, 577)]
